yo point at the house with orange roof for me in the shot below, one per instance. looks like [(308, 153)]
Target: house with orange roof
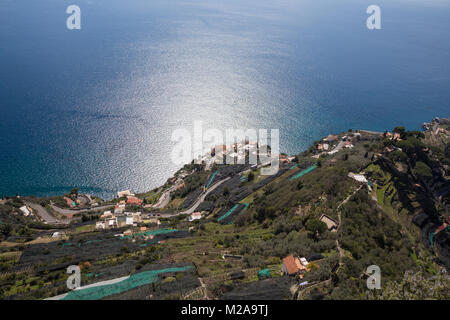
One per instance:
[(179, 186), (331, 138), (294, 265), (290, 266), (134, 200), (70, 202), (106, 214)]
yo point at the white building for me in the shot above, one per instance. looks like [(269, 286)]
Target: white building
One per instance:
[(106, 214), (119, 209), (357, 177), (129, 221), (135, 216), (25, 211), (304, 261), (125, 193), (111, 223), (195, 216), (58, 234), (100, 225)]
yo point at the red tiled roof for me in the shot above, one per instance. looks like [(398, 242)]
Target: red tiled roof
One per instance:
[(178, 187), (69, 201), (291, 266), (133, 200), (331, 137)]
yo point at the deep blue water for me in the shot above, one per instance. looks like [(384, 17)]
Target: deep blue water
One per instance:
[(95, 108)]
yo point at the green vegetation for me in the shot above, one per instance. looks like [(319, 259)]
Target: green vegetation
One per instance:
[(422, 170), (377, 225)]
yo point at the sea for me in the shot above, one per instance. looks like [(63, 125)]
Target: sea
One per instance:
[(96, 107)]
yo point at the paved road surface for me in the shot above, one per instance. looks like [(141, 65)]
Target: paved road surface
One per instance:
[(97, 284), (371, 132), (164, 199), (44, 214), (200, 199), (338, 147), (203, 196), (73, 211)]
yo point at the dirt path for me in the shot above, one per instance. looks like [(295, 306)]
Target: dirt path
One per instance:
[(302, 292), (205, 291), (338, 245)]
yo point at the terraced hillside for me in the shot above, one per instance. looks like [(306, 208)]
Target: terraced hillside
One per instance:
[(386, 194)]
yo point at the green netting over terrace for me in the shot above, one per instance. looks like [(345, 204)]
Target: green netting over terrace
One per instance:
[(229, 212), (302, 173), (135, 280), (150, 233), (65, 244), (148, 243), (264, 273), (212, 178), (245, 208)]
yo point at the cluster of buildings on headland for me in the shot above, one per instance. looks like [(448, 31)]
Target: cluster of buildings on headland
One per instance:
[(235, 153), (119, 218), (433, 125), (332, 144)]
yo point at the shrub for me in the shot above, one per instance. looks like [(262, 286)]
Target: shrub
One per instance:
[(315, 225), (397, 155), (422, 170)]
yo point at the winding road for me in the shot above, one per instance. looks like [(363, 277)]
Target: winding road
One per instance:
[(51, 219), (44, 214), (73, 211), (200, 199), (162, 202), (164, 199)]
